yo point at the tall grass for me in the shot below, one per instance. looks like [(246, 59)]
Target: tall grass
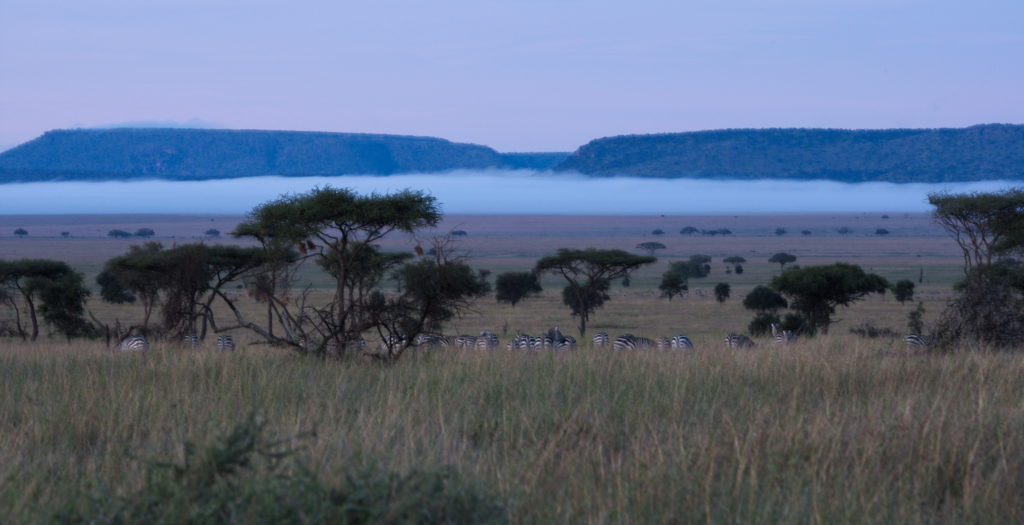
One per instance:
[(829, 431)]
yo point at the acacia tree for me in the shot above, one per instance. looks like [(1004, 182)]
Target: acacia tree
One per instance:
[(52, 289), (589, 274), (650, 246), (338, 229), (766, 303), (782, 259), (991, 298), (816, 291), (513, 287), (903, 290), (184, 281)]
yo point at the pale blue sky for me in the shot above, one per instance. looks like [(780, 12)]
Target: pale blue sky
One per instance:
[(514, 75)]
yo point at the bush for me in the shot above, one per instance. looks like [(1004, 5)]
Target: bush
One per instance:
[(762, 323), (243, 478), (871, 331), (118, 234)]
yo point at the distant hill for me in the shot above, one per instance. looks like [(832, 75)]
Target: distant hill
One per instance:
[(195, 154), (984, 152)]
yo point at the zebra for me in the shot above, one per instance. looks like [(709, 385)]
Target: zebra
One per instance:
[(226, 343), (465, 341), (568, 343), (434, 341), (601, 339), (917, 340), (663, 343), (632, 342), (519, 342), (739, 341), (190, 341), (782, 337), (393, 342), (132, 344), (681, 342), (487, 341)]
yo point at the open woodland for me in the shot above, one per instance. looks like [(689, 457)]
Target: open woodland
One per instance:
[(834, 429)]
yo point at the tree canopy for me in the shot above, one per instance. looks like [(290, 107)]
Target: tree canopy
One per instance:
[(338, 229), (48, 288), (513, 287), (816, 291), (589, 274), (782, 259)]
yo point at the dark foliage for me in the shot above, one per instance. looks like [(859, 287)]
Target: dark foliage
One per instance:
[(994, 151), (242, 477), (513, 287), (722, 291), (196, 154), (816, 291), (49, 288), (903, 290), (589, 274)]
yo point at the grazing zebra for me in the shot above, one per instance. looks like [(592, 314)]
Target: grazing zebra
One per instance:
[(917, 340), (739, 341), (663, 343), (632, 342), (226, 343), (190, 341), (568, 343), (393, 342), (681, 342), (487, 341), (782, 337), (134, 343), (434, 341), (601, 339), (465, 341), (519, 342)]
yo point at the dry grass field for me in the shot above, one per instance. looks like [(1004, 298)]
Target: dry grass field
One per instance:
[(838, 429)]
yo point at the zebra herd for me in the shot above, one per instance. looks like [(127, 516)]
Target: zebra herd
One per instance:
[(553, 339), (136, 343)]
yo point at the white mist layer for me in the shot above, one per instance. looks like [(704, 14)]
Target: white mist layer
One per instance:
[(492, 192)]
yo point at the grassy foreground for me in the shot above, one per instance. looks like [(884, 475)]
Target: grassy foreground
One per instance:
[(830, 431)]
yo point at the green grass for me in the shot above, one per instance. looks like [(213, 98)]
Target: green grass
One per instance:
[(832, 431)]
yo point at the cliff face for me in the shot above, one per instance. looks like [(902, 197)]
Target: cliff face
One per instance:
[(190, 154), (985, 152)]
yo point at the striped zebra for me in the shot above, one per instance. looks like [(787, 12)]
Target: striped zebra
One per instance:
[(917, 340), (663, 343), (434, 341), (631, 342), (681, 342), (190, 341), (487, 341), (568, 342), (601, 339), (393, 342), (519, 342), (226, 343), (739, 341), (782, 337), (133, 343), (465, 341)]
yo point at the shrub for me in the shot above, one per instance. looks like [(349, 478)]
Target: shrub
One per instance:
[(243, 478)]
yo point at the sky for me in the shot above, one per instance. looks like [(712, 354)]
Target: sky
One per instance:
[(516, 75)]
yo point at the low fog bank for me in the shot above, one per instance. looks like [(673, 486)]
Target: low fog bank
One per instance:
[(505, 192)]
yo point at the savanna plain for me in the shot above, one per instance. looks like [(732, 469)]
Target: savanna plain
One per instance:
[(838, 428)]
